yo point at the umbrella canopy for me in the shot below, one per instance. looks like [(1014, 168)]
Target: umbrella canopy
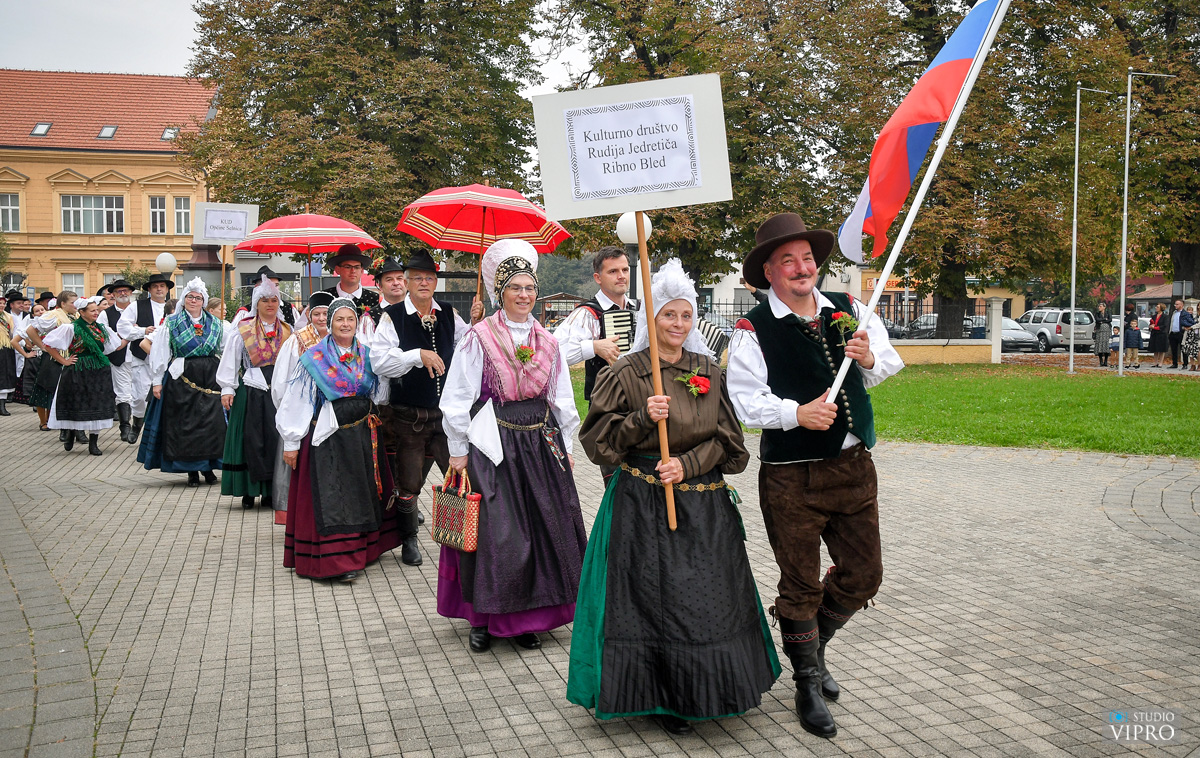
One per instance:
[(306, 234), (471, 218)]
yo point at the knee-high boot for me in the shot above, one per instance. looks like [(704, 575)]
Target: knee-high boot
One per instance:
[(800, 643), (406, 512), (124, 416), (831, 616)]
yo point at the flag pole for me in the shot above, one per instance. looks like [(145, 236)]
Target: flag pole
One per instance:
[(943, 142)]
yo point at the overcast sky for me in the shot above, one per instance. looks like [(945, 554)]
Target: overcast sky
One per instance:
[(122, 36)]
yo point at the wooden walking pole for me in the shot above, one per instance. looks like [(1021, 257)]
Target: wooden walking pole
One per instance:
[(664, 448), (482, 226)]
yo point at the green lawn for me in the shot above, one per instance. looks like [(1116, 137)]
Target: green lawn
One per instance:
[(1023, 406)]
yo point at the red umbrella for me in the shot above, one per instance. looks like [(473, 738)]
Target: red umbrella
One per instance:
[(471, 218), (305, 234)]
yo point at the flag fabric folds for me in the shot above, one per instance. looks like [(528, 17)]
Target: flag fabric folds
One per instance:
[(901, 147)]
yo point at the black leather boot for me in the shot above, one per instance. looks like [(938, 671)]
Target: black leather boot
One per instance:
[(800, 645), (124, 416), (831, 616), (406, 514), (68, 438), (209, 477), (81, 436), (94, 444), (247, 501), (4, 408), (136, 430), (479, 640), (193, 479)]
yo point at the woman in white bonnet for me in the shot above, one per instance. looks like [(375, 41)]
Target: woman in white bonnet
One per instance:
[(668, 622)]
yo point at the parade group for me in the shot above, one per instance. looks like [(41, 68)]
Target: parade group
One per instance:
[(333, 416)]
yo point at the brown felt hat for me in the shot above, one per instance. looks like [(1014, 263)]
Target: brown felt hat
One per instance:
[(778, 229)]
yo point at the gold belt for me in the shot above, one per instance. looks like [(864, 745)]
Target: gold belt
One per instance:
[(198, 388), (711, 486), (525, 427)]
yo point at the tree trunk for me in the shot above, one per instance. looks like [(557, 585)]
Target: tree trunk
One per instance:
[(1185, 259), (950, 300)]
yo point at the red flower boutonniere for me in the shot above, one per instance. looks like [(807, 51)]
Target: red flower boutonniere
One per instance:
[(697, 385), (346, 357), (845, 322), (269, 335), (199, 329), (524, 353)]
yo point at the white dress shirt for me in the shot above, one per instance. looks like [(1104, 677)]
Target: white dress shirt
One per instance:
[(464, 383), (60, 338), (759, 408), (128, 328), (581, 328), (234, 357), (387, 359)]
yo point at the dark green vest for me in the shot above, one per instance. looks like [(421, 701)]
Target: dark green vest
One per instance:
[(802, 362)]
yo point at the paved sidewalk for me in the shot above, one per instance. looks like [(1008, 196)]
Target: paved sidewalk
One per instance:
[(1027, 595)]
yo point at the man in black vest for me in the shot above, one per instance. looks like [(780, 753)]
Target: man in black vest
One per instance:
[(121, 292), (393, 286), (349, 263), (412, 347), (817, 481), (581, 336), (134, 325)]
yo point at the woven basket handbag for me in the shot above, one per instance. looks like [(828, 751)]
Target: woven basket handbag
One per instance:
[(456, 514)]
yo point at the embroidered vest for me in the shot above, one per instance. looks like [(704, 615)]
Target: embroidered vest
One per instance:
[(417, 388), (802, 361)]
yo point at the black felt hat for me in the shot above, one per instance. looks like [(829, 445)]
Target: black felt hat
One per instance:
[(349, 253), (781, 228), (117, 284), (390, 265), (103, 288), (419, 259), (266, 271), (14, 296), (44, 297), (156, 278)]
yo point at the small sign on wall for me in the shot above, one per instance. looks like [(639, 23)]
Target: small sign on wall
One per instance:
[(223, 223), (656, 144)]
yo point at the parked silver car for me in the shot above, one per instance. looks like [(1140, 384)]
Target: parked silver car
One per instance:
[(1050, 326)]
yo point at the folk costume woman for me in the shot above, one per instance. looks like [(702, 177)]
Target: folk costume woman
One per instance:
[(85, 401), (8, 360), (338, 520), (668, 623), (287, 369), (247, 365), (49, 369), (185, 423), (524, 575)]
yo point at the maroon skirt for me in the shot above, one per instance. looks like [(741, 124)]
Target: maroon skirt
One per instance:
[(319, 556)]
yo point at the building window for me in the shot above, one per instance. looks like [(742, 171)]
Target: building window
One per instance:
[(110, 278), (170, 133), (41, 129), (93, 214), (74, 283), (10, 213), (107, 132), (183, 215), (158, 215)]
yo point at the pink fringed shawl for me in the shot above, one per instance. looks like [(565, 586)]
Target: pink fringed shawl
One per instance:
[(509, 378)]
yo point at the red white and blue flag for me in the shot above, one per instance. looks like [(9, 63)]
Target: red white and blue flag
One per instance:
[(902, 145)]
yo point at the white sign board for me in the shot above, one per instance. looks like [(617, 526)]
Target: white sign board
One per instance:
[(633, 147), (223, 223)]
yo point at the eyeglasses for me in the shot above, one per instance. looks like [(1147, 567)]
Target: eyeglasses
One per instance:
[(198, 298), (422, 279), (350, 266), (517, 289)]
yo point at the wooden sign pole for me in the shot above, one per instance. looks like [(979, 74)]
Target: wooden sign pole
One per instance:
[(664, 448)]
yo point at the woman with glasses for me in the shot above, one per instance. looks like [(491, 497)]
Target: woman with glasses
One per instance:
[(508, 410), (185, 423)]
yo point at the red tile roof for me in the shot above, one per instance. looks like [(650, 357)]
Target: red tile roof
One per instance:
[(80, 104)]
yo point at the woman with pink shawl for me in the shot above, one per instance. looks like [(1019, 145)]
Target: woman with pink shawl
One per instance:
[(509, 414)]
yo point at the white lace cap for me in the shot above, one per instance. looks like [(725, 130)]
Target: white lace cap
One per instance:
[(265, 288), (670, 283)]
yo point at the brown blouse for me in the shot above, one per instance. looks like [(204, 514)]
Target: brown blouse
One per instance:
[(703, 431)]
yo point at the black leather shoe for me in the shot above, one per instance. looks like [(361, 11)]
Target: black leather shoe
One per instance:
[(247, 501), (193, 479), (675, 725), (4, 408), (94, 444), (410, 552), (529, 641), (81, 436), (70, 441), (348, 577), (268, 502), (209, 477), (479, 640), (63, 434), (420, 517)]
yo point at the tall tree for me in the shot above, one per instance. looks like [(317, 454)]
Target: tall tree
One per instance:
[(355, 108)]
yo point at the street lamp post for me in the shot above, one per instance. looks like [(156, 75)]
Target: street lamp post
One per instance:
[(627, 233), (1075, 223), (1125, 213)]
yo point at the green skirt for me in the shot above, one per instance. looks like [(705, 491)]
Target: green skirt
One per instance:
[(235, 475), (668, 622)]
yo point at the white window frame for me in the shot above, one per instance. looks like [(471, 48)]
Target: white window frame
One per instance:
[(158, 214), (93, 214), (76, 285), (183, 215), (10, 212)]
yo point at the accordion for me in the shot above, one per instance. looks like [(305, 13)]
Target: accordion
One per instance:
[(619, 324), (715, 337)]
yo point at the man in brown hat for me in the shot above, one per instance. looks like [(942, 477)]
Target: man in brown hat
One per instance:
[(817, 481)]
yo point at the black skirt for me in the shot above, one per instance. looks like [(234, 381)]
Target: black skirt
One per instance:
[(46, 381), (345, 498), (85, 395), (8, 369), (193, 426)]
